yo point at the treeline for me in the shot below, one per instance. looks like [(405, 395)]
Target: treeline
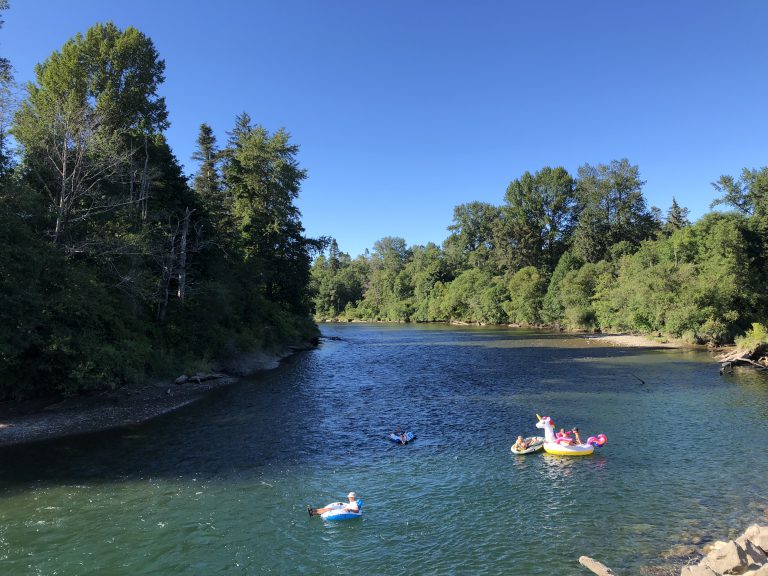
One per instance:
[(113, 266), (582, 252)]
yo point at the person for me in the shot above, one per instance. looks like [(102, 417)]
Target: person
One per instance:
[(520, 444), (351, 506), (563, 437), (576, 434), (403, 438)]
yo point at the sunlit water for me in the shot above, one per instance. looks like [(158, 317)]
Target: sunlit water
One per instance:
[(222, 487)]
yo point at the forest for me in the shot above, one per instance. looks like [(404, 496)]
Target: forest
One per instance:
[(114, 266), (581, 252)]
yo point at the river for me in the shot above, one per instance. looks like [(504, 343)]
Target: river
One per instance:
[(221, 487)]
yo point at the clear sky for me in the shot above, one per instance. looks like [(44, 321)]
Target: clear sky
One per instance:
[(405, 109)]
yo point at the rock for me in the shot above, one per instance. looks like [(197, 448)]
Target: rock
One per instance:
[(755, 555), (181, 379), (597, 567), (680, 551), (762, 571), (728, 559), (757, 534), (665, 570), (698, 570)]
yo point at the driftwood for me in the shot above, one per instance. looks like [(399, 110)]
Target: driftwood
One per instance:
[(597, 567), (183, 379), (752, 357)]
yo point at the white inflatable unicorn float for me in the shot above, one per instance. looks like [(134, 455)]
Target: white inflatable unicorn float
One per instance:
[(562, 444)]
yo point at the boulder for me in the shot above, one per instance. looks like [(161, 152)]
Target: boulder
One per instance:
[(698, 570), (181, 379), (762, 571), (757, 534), (728, 559), (755, 555)]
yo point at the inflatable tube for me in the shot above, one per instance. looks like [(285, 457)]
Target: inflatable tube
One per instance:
[(397, 440), (535, 443), (568, 449), (598, 440), (339, 513)]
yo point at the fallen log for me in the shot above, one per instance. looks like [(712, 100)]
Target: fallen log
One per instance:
[(597, 567)]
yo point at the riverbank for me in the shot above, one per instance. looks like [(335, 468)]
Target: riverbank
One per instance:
[(635, 341), (49, 418)]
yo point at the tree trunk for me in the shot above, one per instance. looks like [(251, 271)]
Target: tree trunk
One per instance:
[(183, 255)]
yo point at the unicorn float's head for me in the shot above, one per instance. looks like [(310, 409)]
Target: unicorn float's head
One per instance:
[(546, 424)]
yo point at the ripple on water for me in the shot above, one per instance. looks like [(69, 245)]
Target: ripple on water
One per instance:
[(221, 487)]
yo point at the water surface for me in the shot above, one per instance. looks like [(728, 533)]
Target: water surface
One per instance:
[(221, 487)]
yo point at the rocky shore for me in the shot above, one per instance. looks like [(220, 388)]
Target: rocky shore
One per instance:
[(746, 555), (44, 419)]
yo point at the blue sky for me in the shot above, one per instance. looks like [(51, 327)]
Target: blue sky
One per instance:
[(404, 109)]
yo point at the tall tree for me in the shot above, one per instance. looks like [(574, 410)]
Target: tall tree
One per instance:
[(539, 216), (91, 114), (263, 176), (677, 218), (748, 193), (612, 209), (209, 187), (471, 242), (6, 107)]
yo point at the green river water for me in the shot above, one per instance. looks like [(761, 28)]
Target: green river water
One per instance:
[(221, 487)]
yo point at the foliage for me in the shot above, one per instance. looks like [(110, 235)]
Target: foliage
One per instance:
[(112, 268), (754, 338), (617, 267), (526, 292), (612, 208)]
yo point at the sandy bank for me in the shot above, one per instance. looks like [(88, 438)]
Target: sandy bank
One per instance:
[(633, 341)]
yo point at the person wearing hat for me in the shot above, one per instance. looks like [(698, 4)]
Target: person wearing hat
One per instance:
[(350, 506)]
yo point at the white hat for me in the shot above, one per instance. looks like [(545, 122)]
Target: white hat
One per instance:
[(351, 495)]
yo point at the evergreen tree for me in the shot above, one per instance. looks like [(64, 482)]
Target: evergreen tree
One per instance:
[(263, 177), (677, 218)]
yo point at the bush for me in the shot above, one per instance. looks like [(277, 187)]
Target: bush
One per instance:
[(753, 339)]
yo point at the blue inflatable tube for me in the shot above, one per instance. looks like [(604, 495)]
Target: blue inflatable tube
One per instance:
[(397, 440), (339, 513)]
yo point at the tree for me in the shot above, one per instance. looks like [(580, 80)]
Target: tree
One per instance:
[(207, 182), (263, 177), (748, 194), (677, 218), (92, 107), (6, 108), (611, 209), (539, 215), (471, 242), (388, 291), (5, 64), (526, 291)]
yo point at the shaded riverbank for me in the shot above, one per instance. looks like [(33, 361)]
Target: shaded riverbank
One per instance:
[(45, 419)]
